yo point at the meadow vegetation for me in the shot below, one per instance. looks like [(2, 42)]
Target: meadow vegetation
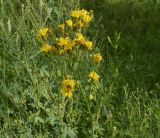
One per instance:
[(79, 69)]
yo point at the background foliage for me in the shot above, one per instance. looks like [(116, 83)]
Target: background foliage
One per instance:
[(127, 104)]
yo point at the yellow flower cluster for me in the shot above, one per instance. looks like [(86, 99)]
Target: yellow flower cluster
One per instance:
[(94, 76), (68, 87), (46, 48), (82, 16), (65, 45), (69, 23), (70, 35), (80, 39), (67, 37), (97, 57), (42, 32)]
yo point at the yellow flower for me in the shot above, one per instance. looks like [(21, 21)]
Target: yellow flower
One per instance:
[(76, 13), (79, 13), (80, 38), (67, 87), (68, 48), (88, 45), (97, 57), (65, 44), (79, 24), (61, 51), (69, 23), (46, 48), (62, 41), (42, 32), (61, 26), (94, 76), (86, 19)]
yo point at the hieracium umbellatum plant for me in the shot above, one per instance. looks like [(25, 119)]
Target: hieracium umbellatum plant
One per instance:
[(77, 67)]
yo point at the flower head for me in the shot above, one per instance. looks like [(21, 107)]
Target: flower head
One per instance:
[(68, 48), (86, 19), (76, 13), (62, 41), (94, 76), (65, 45), (79, 13), (69, 23), (79, 24), (80, 38), (42, 32), (46, 48), (88, 45), (67, 87), (97, 57)]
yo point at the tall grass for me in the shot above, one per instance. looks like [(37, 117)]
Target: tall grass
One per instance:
[(133, 62)]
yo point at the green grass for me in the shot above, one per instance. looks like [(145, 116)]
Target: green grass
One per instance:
[(134, 67), (126, 100)]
